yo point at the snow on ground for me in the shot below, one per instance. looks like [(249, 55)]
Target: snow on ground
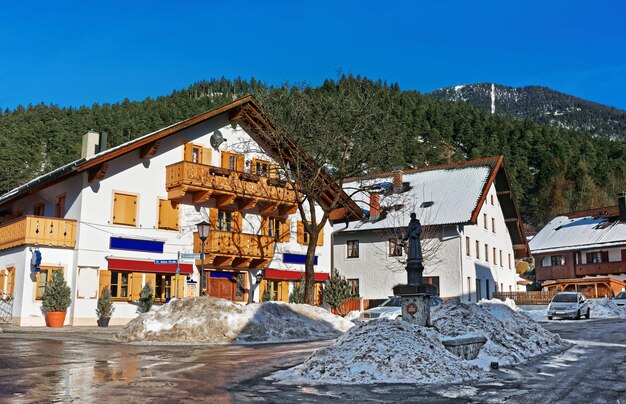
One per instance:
[(600, 308), (218, 321), (353, 315), (383, 351), (512, 337), (389, 351)]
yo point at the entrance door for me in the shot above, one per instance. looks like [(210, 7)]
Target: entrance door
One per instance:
[(221, 287)]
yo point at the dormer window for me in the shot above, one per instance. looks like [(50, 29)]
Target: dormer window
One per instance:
[(427, 204)]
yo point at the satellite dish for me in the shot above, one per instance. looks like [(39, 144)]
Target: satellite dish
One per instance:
[(217, 139)]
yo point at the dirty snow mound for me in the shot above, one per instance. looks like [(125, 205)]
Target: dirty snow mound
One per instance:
[(212, 320), (512, 337), (383, 351), (606, 308), (353, 315)]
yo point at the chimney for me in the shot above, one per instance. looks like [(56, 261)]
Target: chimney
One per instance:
[(621, 203), (397, 182), (374, 206), (91, 142)]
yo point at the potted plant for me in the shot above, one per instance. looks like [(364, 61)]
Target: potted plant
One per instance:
[(57, 297), (105, 308)]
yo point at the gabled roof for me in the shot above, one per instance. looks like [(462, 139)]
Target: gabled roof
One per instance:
[(245, 111), (450, 194), (589, 229)]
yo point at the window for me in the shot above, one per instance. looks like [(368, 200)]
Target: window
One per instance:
[(395, 247), (273, 228), (165, 287), (597, 257), (501, 287), (43, 279), (478, 290), (197, 154), (233, 161), (354, 285), (501, 258), (304, 236), (119, 284), (486, 253), (510, 261), (491, 196), (7, 288), (485, 221), (467, 246), (477, 249), (39, 209), (495, 257), (487, 291), (557, 260), (493, 225), (353, 248), (224, 221), (124, 209), (260, 167), (59, 207), (469, 289), (168, 215)]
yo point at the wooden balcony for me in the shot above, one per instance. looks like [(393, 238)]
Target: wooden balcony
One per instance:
[(604, 268), (38, 230), (232, 190), (554, 272), (236, 250)]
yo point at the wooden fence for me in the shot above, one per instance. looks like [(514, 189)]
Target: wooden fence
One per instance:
[(535, 297), (355, 304)]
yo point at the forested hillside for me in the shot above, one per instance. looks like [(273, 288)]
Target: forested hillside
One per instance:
[(541, 105), (552, 170)]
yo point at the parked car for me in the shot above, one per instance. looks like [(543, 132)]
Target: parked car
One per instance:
[(620, 299), (569, 304), (391, 309)]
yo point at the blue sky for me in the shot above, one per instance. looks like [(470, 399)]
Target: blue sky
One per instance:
[(79, 53)]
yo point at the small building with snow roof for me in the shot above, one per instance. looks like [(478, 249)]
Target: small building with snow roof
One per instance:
[(471, 230)]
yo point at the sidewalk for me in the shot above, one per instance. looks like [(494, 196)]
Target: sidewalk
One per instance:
[(105, 333)]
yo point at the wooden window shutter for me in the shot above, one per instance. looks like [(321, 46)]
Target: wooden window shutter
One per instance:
[(225, 159), (300, 232), (119, 208), (319, 293), (262, 289), (284, 291), (320, 238), (152, 279), (136, 284), (188, 151), (168, 215), (285, 229), (265, 225), (180, 286), (105, 281), (237, 222), (274, 170), (213, 212), (206, 156), (3, 277), (240, 162)]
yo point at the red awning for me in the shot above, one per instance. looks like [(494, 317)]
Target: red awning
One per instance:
[(278, 274), (119, 264)]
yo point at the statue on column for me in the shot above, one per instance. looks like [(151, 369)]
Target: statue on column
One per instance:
[(414, 254)]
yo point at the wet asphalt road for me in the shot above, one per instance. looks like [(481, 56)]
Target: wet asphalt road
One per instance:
[(67, 368)]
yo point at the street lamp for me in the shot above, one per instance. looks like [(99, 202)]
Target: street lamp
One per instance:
[(203, 234)]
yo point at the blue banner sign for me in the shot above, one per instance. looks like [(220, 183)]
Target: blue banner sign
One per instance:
[(296, 259), (120, 243)]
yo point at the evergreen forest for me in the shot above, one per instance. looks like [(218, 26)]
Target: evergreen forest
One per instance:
[(552, 170)]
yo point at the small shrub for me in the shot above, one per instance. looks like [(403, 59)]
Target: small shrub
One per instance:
[(297, 295), (105, 306), (145, 301), (57, 296)]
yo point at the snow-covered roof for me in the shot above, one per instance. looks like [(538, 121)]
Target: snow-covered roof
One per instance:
[(564, 233)]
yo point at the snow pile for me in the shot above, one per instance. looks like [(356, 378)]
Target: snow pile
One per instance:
[(512, 337), (383, 351), (212, 320), (606, 308), (353, 315)]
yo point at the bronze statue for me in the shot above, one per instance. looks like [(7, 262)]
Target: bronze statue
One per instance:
[(414, 265)]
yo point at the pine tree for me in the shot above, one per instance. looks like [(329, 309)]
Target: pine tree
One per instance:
[(105, 306), (57, 296), (337, 290), (145, 301), (297, 295)]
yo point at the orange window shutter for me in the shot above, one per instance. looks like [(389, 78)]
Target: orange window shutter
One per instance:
[(118, 208), (285, 229), (132, 209), (265, 225), (274, 171), (206, 156), (225, 159), (262, 289), (105, 281), (188, 151), (237, 222), (162, 219), (213, 218), (240, 163), (320, 238), (152, 279), (284, 291), (136, 284), (300, 232), (180, 286)]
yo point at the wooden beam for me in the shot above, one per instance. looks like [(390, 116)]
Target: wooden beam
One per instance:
[(259, 263), (519, 246), (508, 192), (511, 220), (221, 260), (285, 210), (267, 208), (235, 114), (224, 200), (240, 262), (176, 194), (246, 203), (201, 196), (149, 150), (97, 173)]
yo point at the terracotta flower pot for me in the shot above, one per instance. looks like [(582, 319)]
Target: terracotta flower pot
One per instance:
[(55, 319)]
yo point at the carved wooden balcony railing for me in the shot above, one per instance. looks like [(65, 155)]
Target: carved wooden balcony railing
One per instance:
[(237, 250), (604, 268), (233, 190), (38, 230)]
